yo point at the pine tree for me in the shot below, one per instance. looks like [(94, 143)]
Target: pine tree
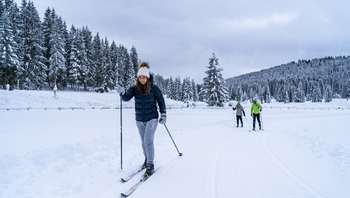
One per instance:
[(316, 94), (347, 89), (73, 62), (195, 91), (82, 60), (47, 31), (107, 62), (86, 70), (299, 94), (170, 88), (178, 89), (215, 92), (266, 95), (96, 70), (2, 7), (134, 59), (56, 59), (187, 90), (328, 94), (114, 62), (32, 68), (126, 70), (8, 57)]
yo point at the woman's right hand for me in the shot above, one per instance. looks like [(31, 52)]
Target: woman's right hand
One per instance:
[(120, 90)]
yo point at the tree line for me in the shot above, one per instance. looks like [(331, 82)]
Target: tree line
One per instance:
[(40, 53)]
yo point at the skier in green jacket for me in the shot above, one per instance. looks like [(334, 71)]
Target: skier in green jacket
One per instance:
[(255, 113)]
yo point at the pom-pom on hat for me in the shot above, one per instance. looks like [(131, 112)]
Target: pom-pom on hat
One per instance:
[(143, 70)]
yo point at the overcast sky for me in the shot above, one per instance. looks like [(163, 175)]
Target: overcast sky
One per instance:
[(177, 37)]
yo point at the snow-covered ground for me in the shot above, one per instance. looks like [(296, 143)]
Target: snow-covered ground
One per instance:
[(303, 152)]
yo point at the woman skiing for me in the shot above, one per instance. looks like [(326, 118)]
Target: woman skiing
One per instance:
[(147, 96)]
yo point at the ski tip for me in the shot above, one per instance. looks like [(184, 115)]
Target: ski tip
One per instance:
[(123, 195), (180, 154), (122, 180)]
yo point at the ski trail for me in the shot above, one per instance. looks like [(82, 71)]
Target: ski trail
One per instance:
[(213, 175), (288, 171)]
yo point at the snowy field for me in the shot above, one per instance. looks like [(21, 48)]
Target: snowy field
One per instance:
[(304, 150)]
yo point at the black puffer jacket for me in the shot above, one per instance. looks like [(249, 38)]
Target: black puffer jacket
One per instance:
[(146, 105)]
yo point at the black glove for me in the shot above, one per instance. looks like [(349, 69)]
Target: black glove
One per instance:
[(162, 119)]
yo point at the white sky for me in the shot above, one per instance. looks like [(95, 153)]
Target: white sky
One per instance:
[(177, 37)]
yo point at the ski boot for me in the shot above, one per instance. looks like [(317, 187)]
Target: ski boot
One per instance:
[(149, 170)]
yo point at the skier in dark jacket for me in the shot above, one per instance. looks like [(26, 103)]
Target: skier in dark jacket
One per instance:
[(147, 96), (239, 112)]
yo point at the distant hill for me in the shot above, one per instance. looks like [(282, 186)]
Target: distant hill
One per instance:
[(312, 80)]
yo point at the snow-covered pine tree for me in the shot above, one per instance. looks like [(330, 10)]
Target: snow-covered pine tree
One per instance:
[(32, 73), (134, 59), (346, 89), (88, 66), (299, 94), (284, 94), (82, 60), (97, 69), (107, 64), (316, 94), (8, 57), (187, 92), (126, 68), (73, 62), (56, 59), (178, 89), (195, 91), (213, 87), (266, 93), (328, 94), (239, 94), (2, 7), (171, 88), (114, 62)]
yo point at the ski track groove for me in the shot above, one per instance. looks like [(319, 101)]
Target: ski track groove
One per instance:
[(278, 162)]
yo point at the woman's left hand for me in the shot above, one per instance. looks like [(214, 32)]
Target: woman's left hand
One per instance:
[(162, 119)]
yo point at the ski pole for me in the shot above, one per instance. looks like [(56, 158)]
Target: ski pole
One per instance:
[(262, 125), (178, 152), (121, 133)]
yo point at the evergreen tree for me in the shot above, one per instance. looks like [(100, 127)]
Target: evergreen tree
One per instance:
[(8, 57), (107, 64), (126, 75), (347, 89), (195, 91), (73, 63), (2, 7), (178, 89), (86, 69), (32, 68), (328, 95), (56, 58), (171, 89), (97, 70), (316, 94), (215, 92), (266, 94), (187, 90), (114, 63), (134, 59), (82, 61), (300, 95)]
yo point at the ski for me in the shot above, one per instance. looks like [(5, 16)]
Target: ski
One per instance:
[(134, 187), (132, 175)]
